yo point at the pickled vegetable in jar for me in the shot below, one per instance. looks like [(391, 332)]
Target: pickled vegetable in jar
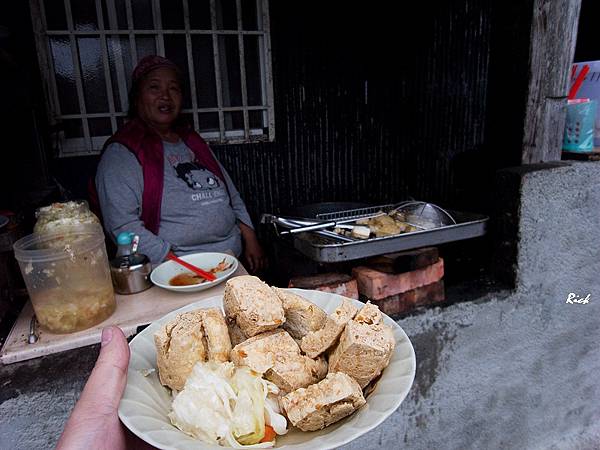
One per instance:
[(60, 217), (67, 277)]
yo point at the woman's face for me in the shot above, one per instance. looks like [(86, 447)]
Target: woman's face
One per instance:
[(159, 100)]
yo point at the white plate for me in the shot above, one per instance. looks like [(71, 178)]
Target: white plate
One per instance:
[(146, 403), (205, 261)]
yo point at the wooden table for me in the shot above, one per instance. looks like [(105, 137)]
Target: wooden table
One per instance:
[(132, 311)]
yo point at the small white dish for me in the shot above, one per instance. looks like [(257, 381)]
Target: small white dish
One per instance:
[(146, 403), (205, 261)]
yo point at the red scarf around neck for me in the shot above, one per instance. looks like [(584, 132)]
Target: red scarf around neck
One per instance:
[(146, 145)]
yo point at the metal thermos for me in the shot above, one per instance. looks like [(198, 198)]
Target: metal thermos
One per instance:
[(130, 270)]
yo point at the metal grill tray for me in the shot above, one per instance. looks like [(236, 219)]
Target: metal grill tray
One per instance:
[(322, 249)]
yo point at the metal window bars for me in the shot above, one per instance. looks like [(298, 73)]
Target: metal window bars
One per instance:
[(88, 142)]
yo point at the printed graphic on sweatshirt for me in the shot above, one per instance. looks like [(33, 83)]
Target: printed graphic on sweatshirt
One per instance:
[(196, 176), (207, 186)]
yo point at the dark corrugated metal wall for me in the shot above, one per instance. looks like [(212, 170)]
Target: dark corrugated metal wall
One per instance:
[(370, 106)]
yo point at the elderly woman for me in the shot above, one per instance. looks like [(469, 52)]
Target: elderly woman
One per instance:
[(158, 178)]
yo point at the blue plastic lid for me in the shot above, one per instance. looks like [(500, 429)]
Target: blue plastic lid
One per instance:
[(125, 238)]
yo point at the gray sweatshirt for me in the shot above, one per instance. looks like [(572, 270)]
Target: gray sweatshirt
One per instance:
[(196, 214)]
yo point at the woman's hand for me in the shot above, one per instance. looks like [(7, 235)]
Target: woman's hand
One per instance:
[(253, 252)]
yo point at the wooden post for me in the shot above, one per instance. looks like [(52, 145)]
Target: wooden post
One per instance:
[(553, 38)]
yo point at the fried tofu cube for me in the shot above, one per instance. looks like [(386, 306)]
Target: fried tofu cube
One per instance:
[(319, 405), (276, 355), (217, 334), (253, 305), (301, 316), (317, 342), (179, 345), (365, 346)]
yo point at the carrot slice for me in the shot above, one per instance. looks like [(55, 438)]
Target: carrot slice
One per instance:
[(270, 434)]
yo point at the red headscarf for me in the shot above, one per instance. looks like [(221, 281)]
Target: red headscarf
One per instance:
[(149, 63)]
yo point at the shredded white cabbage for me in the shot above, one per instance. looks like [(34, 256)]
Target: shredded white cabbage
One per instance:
[(222, 404), (273, 416)]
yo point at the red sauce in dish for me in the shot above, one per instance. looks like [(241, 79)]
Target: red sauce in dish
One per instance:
[(186, 279), (190, 278)]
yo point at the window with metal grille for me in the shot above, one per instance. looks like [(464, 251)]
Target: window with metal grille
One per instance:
[(87, 50)]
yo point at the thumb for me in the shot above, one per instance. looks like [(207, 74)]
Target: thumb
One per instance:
[(94, 417), (107, 381)]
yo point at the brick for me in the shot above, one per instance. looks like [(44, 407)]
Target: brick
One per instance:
[(429, 294), (377, 285), (336, 283), (320, 279), (389, 305), (348, 289), (404, 261)]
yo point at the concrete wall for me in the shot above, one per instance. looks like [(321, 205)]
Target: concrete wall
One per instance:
[(516, 370), (511, 370)]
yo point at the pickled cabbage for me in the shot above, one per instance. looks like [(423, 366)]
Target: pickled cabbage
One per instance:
[(222, 404)]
